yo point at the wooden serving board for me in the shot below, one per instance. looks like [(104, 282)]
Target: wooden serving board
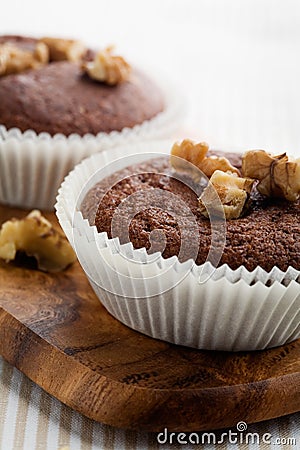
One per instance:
[(55, 330)]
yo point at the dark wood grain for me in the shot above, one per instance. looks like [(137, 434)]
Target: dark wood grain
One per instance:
[(54, 329)]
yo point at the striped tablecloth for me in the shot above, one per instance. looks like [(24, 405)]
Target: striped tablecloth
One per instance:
[(30, 419)]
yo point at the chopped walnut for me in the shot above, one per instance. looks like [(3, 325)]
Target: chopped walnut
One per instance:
[(35, 236), (196, 155), (226, 195), (15, 60), (64, 49), (188, 151), (41, 53), (278, 176), (108, 68)]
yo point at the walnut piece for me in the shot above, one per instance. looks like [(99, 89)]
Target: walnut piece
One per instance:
[(226, 195), (64, 49), (36, 236), (195, 153), (278, 175), (16, 60), (108, 68)]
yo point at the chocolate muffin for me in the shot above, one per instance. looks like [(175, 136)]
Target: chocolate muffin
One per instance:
[(267, 235), (190, 304), (58, 97)]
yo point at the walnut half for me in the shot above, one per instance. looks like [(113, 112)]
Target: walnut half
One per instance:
[(16, 60), (226, 195), (108, 68), (35, 236), (64, 49), (278, 176), (195, 153)]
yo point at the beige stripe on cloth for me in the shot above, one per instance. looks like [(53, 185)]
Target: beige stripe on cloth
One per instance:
[(5, 386), (21, 419)]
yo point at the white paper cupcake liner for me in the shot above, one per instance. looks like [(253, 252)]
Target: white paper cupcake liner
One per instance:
[(231, 310), (32, 166)]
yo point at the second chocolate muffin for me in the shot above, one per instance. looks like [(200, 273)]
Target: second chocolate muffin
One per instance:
[(58, 97)]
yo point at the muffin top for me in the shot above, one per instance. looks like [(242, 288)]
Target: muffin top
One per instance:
[(266, 235), (59, 97)]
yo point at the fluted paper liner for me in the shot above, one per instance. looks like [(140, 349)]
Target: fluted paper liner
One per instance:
[(232, 310), (32, 166)]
